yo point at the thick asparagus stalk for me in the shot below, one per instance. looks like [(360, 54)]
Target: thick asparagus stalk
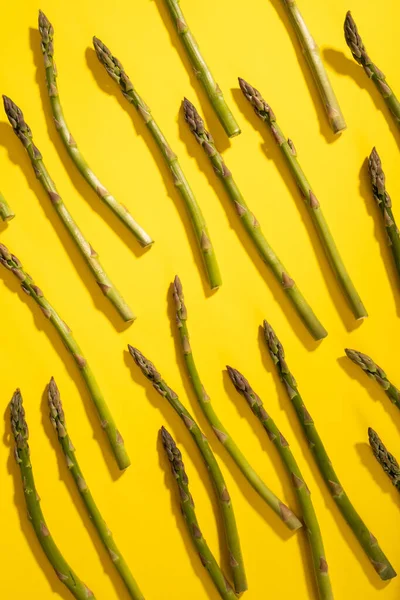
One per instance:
[(264, 111), (368, 541), (375, 372), (223, 497), (387, 461), (300, 487), (6, 214), (116, 71), (23, 132), (250, 222), (188, 510), (63, 571), (58, 420), (359, 52), (202, 70), (288, 517), (12, 263), (317, 68)]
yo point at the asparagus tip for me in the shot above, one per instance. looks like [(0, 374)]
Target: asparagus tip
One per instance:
[(193, 119), (19, 425), (145, 365)]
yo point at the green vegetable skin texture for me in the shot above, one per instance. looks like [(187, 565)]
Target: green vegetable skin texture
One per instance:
[(47, 33), (250, 222), (6, 214), (314, 59), (359, 52), (12, 263), (188, 510), (223, 497), (57, 419), (22, 454), (202, 71), (299, 485), (387, 461), (264, 111), (116, 71), (283, 512), (23, 132), (368, 541)]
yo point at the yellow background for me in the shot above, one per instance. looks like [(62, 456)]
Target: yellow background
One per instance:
[(253, 40)]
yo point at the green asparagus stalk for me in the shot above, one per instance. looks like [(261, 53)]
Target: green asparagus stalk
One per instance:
[(57, 419), (12, 263), (250, 222), (264, 111), (202, 70), (116, 71), (300, 487), (359, 52), (387, 461), (317, 68), (6, 214), (63, 571), (368, 541), (223, 497), (284, 513), (188, 510), (375, 372), (23, 132)]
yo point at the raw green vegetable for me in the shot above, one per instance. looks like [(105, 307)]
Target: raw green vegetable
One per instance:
[(6, 214), (387, 461)]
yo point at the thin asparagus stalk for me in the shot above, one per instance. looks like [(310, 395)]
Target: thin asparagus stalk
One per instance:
[(375, 372), (250, 222), (116, 71), (202, 70), (188, 510), (223, 497), (300, 487), (387, 461), (57, 419), (6, 213), (23, 132), (359, 52), (47, 32), (368, 541), (12, 263), (264, 111), (317, 68), (284, 513), (63, 571)]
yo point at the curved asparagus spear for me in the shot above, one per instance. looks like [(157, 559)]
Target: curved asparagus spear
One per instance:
[(287, 516), (250, 222), (57, 418), (202, 71), (116, 71), (188, 510), (359, 52), (12, 263), (264, 111), (6, 214), (387, 461), (23, 132), (317, 68), (368, 541), (223, 497), (300, 487), (375, 372), (63, 571)]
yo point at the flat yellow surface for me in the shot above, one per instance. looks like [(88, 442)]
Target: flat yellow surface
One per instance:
[(253, 40)]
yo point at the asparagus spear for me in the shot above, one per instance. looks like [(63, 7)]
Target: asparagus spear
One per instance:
[(264, 111), (300, 487), (23, 132), (368, 542), (12, 263), (250, 222), (375, 372), (223, 497), (6, 213), (202, 71), (57, 419), (288, 517), (63, 571), (359, 52), (188, 510), (317, 68), (387, 461), (116, 71)]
